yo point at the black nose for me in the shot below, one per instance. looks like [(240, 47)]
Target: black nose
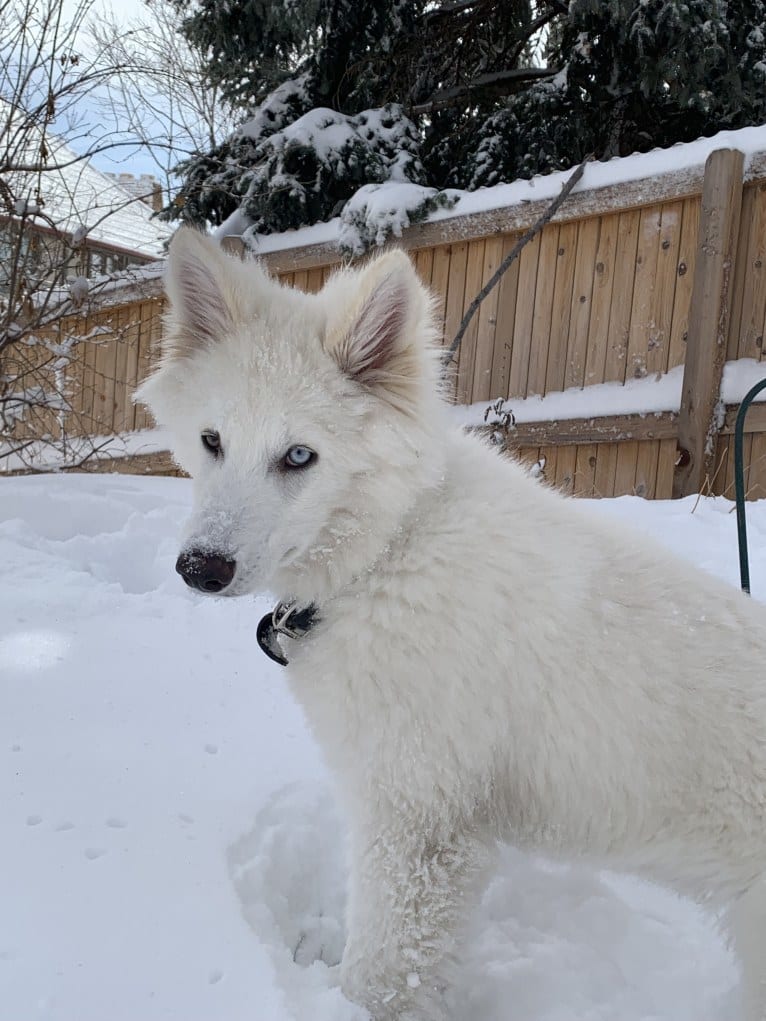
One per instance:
[(205, 571)]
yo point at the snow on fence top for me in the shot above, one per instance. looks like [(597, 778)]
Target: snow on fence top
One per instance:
[(650, 395), (378, 210)]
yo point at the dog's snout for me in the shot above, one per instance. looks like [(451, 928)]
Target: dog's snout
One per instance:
[(205, 571)]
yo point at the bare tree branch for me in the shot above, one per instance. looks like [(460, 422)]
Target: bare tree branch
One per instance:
[(50, 79), (160, 81), (495, 81), (524, 240)]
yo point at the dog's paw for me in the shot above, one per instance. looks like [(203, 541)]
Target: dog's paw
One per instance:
[(288, 873)]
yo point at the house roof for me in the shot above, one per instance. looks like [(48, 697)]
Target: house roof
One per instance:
[(79, 200)]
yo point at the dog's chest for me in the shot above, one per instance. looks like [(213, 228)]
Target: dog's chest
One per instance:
[(365, 689)]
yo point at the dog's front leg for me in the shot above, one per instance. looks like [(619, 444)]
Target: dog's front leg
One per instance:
[(410, 889)]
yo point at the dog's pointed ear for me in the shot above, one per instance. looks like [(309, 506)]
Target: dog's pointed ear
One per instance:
[(382, 342), (200, 304)]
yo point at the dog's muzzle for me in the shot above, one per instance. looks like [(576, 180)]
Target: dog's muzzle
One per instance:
[(204, 571)]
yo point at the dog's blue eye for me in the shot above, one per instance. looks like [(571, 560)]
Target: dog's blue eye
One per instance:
[(299, 457), (211, 441)]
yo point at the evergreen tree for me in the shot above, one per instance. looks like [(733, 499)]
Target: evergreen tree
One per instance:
[(337, 95), (638, 74)]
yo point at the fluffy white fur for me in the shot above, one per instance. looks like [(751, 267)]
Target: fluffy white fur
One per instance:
[(492, 662)]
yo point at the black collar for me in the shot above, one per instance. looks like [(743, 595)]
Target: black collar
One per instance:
[(284, 619)]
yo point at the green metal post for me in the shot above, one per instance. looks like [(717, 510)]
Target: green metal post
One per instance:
[(739, 484)]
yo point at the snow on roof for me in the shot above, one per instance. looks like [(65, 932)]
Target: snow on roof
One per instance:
[(545, 187), (82, 201)]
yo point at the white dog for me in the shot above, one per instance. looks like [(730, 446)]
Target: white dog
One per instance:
[(479, 658)]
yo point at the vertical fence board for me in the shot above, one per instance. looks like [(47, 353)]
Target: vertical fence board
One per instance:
[(523, 323), (561, 311), (103, 403), (41, 421), (585, 470), (720, 465), (88, 354), (606, 466), (548, 458), (601, 300), (625, 470), (757, 486), (728, 486), (528, 456), (439, 283), (748, 341), (151, 327), (131, 364), (424, 264), (502, 354), (523, 455), (565, 469), (314, 280), (127, 409), (747, 460), (641, 319), (619, 313), (466, 354), (72, 331), (543, 309), (481, 388), (666, 466), (582, 302), (646, 469), (740, 280), (456, 294), (684, 273), (121, 388), (664, 293), (141, 418)]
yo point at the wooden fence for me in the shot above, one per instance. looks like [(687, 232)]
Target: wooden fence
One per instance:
[(627, 282)]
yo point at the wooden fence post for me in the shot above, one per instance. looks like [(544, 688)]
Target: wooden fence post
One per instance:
[(709, 314), (233, 243)]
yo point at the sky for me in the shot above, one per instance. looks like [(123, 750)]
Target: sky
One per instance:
[(125, 9), (123, 160)]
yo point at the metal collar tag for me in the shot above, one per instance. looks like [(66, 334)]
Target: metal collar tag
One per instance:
[(284, 619)]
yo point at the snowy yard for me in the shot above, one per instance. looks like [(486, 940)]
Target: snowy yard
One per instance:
[(170, 846)]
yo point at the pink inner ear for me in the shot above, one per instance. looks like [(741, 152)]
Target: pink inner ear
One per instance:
[(372, 340), (198, 304)]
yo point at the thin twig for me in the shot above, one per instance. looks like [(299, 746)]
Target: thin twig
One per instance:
[(549, 213)]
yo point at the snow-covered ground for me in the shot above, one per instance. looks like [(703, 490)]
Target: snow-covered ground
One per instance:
[(169, 843)]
